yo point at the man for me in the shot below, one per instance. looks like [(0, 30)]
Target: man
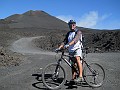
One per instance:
[(73, 42)]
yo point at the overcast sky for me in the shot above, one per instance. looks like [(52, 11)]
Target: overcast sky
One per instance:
[(98, 14)]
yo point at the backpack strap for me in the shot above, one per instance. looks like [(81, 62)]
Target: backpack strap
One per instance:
[(66, 38)]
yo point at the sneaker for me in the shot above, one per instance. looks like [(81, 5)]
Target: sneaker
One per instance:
[(79, 79)]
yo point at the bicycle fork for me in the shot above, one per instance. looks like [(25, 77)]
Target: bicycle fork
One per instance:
[(57, 70)]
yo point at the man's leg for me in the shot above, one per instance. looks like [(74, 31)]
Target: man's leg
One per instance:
[(73, 63), (79, 68), (73, 72)]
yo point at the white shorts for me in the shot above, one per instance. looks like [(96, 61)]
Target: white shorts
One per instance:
[(77, 52)]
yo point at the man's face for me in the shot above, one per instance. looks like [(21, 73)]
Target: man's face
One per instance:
[(72, 26)]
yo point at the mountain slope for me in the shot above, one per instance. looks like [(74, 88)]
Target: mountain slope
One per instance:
[(37, 19)]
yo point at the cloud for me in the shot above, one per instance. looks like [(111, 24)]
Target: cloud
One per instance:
[(88, 20), (105, 16)]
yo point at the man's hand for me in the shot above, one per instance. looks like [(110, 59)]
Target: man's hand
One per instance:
[(66, 46), (56, 50)]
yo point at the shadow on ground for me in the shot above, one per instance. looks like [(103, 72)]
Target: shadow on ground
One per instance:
[(72, 84), (39, 82), (68, 84)]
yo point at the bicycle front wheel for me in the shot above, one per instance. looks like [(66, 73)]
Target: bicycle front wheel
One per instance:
[(53, 76), (94, 74)]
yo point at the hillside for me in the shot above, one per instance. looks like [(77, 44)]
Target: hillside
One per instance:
[(40, 23), (35, 19)]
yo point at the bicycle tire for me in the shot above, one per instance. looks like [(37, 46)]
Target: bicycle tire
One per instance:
[(94, 74), (51, 79)]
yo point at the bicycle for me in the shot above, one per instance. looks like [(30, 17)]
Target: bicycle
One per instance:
[(54, 75)]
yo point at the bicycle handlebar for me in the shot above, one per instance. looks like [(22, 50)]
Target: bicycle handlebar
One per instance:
[(63, 50)]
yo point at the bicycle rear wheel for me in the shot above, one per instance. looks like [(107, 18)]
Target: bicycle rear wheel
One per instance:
[(94, 74), (53, 76)]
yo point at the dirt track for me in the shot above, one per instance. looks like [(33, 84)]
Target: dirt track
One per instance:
[(27, 76)]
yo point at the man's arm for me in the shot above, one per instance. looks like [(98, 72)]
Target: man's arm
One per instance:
[(65, 41)]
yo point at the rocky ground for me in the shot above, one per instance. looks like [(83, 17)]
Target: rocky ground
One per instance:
[(8, 36), (9, 58)]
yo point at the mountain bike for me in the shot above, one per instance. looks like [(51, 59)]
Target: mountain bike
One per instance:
[(54, 75)]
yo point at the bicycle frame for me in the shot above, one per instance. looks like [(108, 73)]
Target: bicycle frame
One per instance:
[(72, 65), (69, 64)]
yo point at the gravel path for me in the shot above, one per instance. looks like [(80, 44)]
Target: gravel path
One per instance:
[(26, 47)]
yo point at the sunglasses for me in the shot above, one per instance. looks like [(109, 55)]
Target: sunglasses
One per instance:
[(73, 24)]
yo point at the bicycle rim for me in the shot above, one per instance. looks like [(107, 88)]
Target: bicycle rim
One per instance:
[(53, 76), (94, 75)]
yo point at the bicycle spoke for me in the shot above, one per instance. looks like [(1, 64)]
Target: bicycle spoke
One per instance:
[(88, 75), (94, 75), (53, 76), (51, 82)]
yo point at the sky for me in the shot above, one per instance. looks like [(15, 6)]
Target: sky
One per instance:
[(96, 14)]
